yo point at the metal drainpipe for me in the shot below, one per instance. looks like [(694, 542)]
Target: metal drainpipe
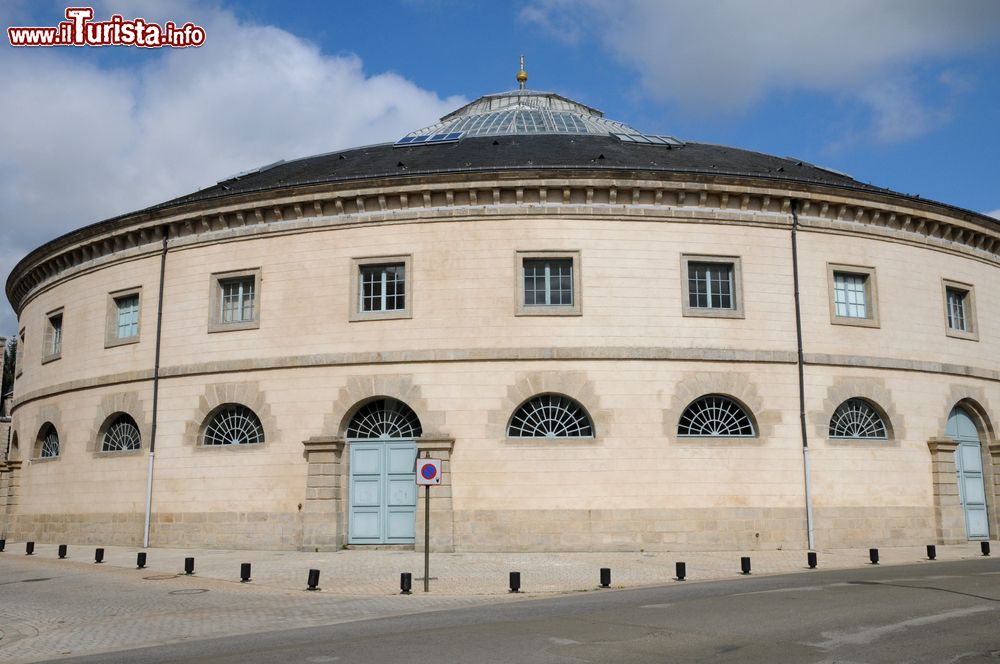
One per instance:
[(156, 392), (810, 532)]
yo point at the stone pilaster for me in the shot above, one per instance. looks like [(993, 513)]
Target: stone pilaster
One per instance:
[(442, 531), (995, 505), (10, 479), (324, 515), (949, 519)]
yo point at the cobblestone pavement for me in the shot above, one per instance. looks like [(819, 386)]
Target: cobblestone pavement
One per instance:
[(51, 608)]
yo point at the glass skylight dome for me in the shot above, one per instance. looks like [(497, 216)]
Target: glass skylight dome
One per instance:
[(521, 112)]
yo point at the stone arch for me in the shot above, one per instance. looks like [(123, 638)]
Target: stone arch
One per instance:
[(15, 448), (217, 395), (48, 414), (575, 385), (111, 406), (874, 392), (736, 386), (972, 399), (362, 390)]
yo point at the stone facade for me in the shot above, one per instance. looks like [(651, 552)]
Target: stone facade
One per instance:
[(464, 358)]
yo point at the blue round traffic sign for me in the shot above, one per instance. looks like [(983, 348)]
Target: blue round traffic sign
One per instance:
[(428, 471)]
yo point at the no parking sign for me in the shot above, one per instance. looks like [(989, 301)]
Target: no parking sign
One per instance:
[(428, 472)]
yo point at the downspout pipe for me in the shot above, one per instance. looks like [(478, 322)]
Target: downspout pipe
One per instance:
[(810, 528), (156, 391)]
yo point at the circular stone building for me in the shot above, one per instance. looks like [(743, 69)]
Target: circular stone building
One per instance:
[(613, 340)]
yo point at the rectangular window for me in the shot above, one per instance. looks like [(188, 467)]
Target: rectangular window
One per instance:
[(850, 295), (960, 310), (236, 304), (548, 283), (235, 301), (53, 336), (853, 296), (122, 324), (19, 356), (383, 287), (712, 286), (957, 319), (128, 316)]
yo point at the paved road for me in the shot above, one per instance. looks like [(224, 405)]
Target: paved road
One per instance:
[(942, 612)]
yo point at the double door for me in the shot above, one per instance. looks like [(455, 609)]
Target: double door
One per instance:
[(383, 492)]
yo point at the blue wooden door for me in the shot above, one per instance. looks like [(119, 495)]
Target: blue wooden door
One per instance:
[(969, 468), (383, 492)]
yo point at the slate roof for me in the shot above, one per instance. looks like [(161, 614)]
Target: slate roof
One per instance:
[(511, 153)]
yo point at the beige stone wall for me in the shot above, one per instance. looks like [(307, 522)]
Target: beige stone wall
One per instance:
[(464, 360)]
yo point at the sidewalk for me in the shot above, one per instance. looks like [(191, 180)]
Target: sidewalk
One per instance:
[(376, 572)]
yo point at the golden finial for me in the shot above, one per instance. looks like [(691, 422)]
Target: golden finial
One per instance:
[(522, 76)]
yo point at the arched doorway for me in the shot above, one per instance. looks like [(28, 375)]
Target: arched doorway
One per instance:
[(382, 505), (969, 468)]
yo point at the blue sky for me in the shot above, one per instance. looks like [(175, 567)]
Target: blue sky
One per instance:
[(900, 93)]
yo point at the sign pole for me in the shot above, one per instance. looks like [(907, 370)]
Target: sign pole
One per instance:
[(427, 537)]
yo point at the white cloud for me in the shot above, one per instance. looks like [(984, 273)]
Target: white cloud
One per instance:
[(83, 141), (726, 55)]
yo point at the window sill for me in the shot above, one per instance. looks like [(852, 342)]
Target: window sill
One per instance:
[(51, 358), (854, 322), (959, 334), (233, 327), (359, 316), (548, 310), (244, 446), (118, 453), (708, 312), (122, 341), (46, 459)]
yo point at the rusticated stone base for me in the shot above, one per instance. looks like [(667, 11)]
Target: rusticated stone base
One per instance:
[(630, 529), (223, 530), (838, 527)]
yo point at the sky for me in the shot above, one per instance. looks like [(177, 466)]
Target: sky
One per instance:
[(903, 94)]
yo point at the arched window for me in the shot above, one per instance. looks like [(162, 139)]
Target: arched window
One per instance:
[(48, 439), (550, 416), (384, 418), (716, 416), (233, 424), (856, 418), (15, 449), (122, 435)]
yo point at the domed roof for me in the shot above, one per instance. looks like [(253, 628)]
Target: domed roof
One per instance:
[(522, 112)]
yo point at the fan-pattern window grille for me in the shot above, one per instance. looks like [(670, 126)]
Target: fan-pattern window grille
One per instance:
[(855, 418), (715, 416), (384, 418), (122, 435), (234, 425), (50, 443), (550, 416)]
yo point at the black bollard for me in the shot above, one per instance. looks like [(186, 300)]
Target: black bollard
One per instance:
[(189, 566), (3, 544), (873, 556), (140, 560), (313, 581), (931, 552), (515, 582), (811, 559), (745, 564), (29, 548), (244, 572), (985, 548), (98, 556), (62, 551), (605, 577), (681, 571), (405, 583)]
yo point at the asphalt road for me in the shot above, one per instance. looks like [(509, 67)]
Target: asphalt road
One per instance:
[(940, 612)]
